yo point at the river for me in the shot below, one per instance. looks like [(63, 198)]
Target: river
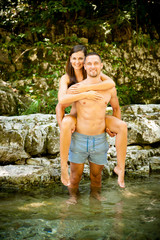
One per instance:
[(44, 213)]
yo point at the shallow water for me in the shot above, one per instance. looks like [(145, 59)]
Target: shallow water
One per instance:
[(133, 213)]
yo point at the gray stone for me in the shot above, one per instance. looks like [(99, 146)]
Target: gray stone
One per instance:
[(154, 163), (32, 143), (143, 123), (24, 176), (27, 136)]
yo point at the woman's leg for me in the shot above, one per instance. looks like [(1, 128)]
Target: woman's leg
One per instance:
[(119, 127), (67, 128)]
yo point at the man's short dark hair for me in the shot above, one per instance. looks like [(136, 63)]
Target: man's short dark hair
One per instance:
[(93, 54)]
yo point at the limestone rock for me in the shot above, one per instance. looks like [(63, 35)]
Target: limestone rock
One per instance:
[(24, 176), (143, 123), (31, 143), (10, 101), (26, 136), (154, 163)]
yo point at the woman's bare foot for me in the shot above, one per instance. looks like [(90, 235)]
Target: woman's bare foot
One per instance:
[(65, 176), (120, 174)]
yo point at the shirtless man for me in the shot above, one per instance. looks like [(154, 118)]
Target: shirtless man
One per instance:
[(89, 140)]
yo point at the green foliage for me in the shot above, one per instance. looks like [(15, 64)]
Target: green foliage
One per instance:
[(68, 109), (38, 16), (33, 108), (141, 40), (42, 104)]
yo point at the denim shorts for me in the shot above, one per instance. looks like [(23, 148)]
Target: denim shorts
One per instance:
[(93, 148)]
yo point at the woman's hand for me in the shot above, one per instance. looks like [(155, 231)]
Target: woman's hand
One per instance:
[(93, 95), (77, 88)]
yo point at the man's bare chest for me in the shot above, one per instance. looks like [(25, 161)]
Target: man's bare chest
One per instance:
[(106, 96)]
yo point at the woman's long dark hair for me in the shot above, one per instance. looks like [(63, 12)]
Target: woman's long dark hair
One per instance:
[(70, 69)]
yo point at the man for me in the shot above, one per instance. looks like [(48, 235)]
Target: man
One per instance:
[(89, 140)]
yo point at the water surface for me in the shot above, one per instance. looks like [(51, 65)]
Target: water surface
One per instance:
[(133, 213)]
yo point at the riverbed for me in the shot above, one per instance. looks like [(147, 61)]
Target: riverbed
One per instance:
[(44, 213)]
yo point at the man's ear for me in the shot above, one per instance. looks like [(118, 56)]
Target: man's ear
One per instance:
[(101, 65)]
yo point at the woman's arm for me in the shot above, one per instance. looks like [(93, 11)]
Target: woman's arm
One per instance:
[(65, 98), (107, 83), (60, 112)]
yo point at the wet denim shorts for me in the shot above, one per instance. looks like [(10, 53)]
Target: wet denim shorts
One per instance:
[(93, 148)]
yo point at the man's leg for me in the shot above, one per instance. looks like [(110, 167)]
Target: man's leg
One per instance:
[(75, 178), (67, 127), (96, 177), (120, 128)]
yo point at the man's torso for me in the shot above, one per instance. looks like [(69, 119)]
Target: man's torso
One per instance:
[(91, 114)]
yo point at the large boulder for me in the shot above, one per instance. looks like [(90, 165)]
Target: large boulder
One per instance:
[(23, 176), (143, 123), (10, 101), (143, 150), (25, 136)]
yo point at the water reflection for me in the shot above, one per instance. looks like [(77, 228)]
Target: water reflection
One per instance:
[(131, 213)]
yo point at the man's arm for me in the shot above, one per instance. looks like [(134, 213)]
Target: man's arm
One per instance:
[(116, 109), (115, 104), (107, 83)]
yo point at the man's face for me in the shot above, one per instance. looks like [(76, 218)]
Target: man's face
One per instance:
[(93, 65)]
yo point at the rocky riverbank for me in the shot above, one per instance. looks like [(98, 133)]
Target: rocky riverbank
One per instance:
[(29, 147)]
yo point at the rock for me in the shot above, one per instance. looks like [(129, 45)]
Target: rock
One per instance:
[(138, 158), (154, 163), (24, 176), (27, 136), (143, 123), (31, 143), (39, 161), (10, 101)]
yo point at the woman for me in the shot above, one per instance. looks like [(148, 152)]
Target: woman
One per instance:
[(70, 92)]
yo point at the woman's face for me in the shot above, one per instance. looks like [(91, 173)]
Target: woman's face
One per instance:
[(77, 60)]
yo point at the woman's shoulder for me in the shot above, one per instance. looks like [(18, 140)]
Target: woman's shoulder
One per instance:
[(65, 78)]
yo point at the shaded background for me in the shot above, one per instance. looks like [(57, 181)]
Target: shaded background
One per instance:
[(36, 37)]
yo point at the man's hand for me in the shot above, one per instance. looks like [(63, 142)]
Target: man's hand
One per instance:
[(111, 134), (76, 88), (73, 129)]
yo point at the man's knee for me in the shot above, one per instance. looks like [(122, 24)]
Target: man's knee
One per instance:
[(75, 179), (96, 177)]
